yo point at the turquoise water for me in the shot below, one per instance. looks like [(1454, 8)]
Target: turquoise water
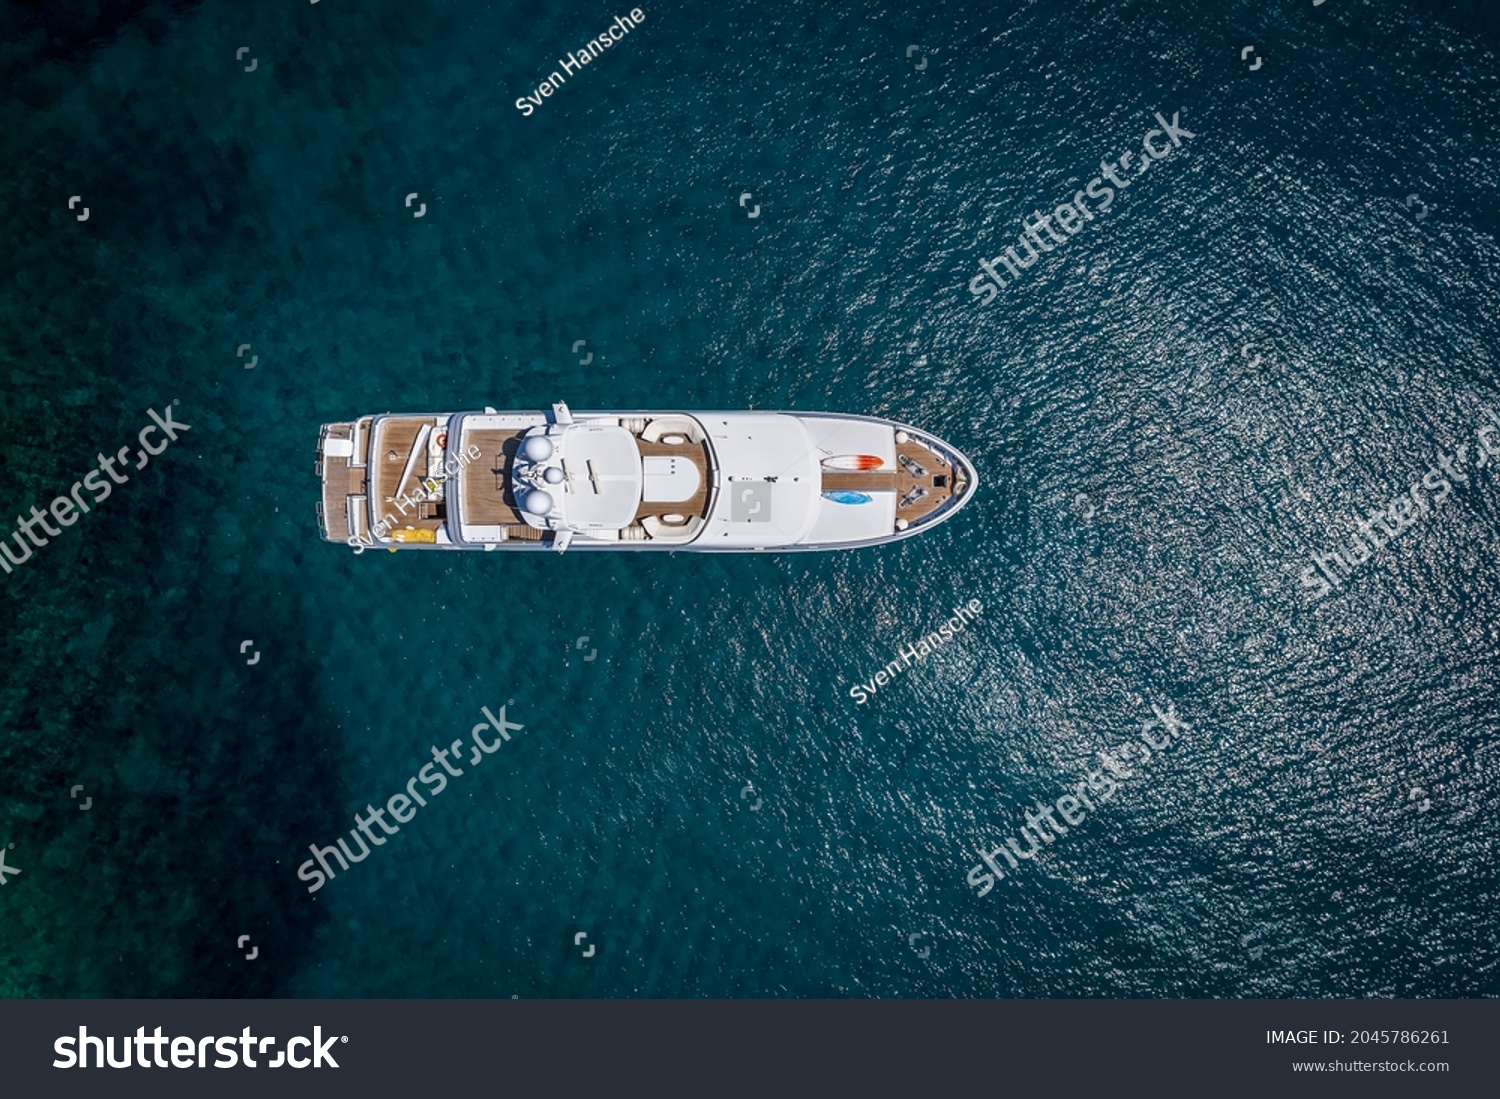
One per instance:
[(1169, 413)]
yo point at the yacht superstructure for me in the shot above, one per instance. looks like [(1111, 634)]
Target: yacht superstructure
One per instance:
[(702, 481)]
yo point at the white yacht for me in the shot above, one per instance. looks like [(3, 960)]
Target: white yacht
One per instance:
[(712, 481)]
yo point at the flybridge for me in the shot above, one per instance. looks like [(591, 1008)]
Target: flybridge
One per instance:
[(592, 49)]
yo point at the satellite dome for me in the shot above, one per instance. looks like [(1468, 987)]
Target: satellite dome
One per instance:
[(537, 448), (538, 502), (553, 475)]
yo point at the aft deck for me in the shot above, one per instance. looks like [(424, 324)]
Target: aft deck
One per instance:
[(397, 473), (341, 480)]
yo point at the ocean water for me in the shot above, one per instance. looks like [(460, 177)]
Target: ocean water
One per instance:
[(1292, 316)]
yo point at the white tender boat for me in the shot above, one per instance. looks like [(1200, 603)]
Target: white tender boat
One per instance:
[(711, 481)]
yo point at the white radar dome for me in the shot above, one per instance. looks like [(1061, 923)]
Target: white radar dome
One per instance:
[(553, 476), (538, 502), (538, 448)]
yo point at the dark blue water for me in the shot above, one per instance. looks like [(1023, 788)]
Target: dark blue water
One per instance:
[(1288, 318)]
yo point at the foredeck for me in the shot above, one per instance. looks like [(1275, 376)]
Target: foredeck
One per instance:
[(938, 481), (941, 480), (872, 480)]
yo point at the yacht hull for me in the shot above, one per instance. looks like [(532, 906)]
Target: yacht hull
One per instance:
[(705, 481)]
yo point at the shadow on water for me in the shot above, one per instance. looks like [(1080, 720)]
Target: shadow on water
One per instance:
[(190, 772)]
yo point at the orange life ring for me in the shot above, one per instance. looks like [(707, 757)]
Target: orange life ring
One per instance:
[(442, 440)]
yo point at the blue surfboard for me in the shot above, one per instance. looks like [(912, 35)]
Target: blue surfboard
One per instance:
[(845, 496)]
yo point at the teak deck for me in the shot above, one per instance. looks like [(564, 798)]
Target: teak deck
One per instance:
[(487, 496), (398, 436), (340, 481)]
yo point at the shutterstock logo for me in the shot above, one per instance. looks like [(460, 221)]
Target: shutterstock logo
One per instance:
[(403, 807), (750, 503), (154, 1051)]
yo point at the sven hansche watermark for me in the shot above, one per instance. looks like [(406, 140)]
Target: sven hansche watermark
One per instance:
[(400, 806), (1096, 789), (925, 646), (1384, 525), (450, 467), (1157, 144), (591, 51), (66, 509)]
